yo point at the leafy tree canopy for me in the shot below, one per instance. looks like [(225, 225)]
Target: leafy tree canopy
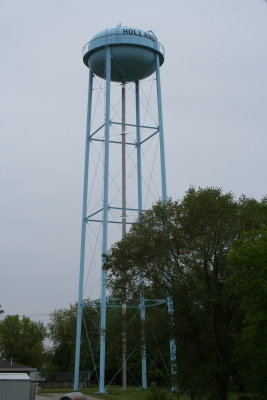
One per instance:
[(181, 248), (248, 283), (22, 340), (62, 333)]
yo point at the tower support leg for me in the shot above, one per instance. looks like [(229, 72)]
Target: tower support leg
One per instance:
[(105, 226), (83, 235), (172, 342), (173, 360), (140, 207), (123, 202)]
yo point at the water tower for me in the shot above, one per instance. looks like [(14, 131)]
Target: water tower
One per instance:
[(121, 55)]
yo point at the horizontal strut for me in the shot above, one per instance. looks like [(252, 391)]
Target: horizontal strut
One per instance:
[(112, 208), (109, 222), (127, 209), (135, 125), (148, 303), (113, 141)]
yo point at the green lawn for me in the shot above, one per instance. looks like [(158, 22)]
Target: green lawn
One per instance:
[(114, 393), (133, 393)]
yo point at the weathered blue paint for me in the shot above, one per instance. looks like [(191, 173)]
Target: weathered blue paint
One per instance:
[(127, 45), (83, 234)]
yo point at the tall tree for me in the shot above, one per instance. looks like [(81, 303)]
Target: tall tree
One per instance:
[(248, 283), (22, 340), (182, 249), (62, 333)]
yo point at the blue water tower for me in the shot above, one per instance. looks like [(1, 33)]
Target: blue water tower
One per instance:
[(121, 54)]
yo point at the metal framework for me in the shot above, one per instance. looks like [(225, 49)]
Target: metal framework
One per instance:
[(102, 216)]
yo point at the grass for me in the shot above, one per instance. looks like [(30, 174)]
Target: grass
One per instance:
[(133, 393), (113, 393)]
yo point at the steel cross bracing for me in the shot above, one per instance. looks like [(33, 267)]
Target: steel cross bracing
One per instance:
[(90, 219), (156, 130)]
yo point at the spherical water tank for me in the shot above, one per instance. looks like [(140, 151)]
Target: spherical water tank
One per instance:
[(133, 53)]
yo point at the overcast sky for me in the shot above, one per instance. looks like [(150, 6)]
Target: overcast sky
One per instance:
[(214, 90)]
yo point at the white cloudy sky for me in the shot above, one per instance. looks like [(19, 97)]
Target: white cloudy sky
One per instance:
[(215, 111)]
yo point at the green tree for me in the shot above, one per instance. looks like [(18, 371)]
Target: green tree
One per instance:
[(22, 340), (62, 333), (248, 284), (182, 249)]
